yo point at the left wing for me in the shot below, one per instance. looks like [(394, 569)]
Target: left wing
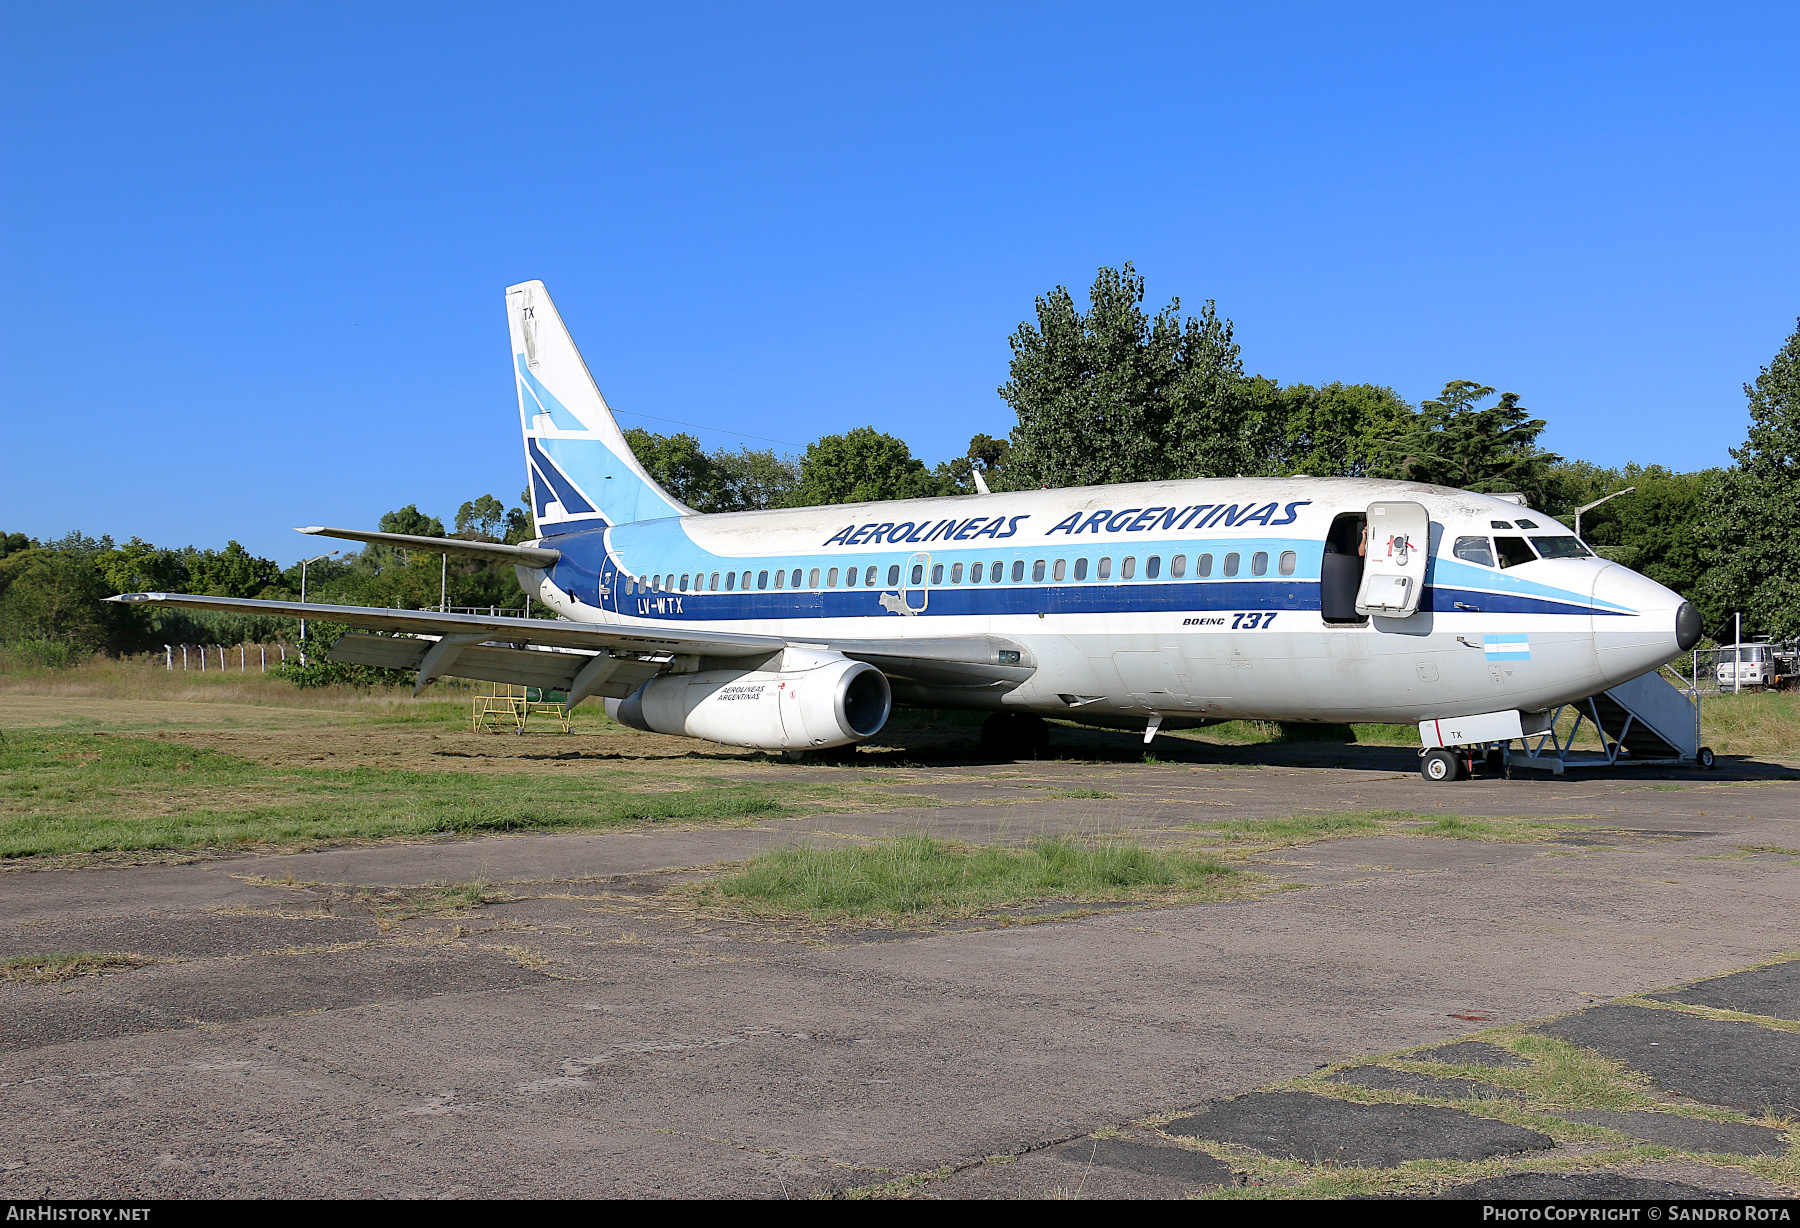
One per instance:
[(581, 659), (585, 659)]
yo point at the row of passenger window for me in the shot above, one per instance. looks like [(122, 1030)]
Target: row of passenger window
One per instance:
[(974, 573)]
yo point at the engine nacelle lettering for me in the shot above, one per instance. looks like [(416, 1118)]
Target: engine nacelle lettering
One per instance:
[(838, 702)]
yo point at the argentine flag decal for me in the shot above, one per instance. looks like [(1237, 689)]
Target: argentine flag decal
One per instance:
[(1507, 646)]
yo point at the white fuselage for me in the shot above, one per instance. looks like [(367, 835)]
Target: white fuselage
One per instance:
[(1193, 600)]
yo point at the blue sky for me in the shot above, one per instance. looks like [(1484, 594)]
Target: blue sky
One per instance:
[(255, 252)]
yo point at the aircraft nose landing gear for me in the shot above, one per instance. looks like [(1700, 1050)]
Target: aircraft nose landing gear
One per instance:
[(1440, 764)]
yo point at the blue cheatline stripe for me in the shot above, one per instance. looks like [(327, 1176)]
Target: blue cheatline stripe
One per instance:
[(584, 560), (1003, 598)]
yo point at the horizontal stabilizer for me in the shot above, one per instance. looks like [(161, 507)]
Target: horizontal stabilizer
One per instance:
[(523, 556)]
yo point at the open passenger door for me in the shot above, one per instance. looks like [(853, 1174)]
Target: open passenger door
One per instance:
[(1394, 565)]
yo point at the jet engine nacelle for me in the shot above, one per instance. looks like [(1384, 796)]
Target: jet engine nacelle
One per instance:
[(816, 700)]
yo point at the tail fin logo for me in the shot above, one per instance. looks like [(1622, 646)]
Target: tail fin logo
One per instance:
[(582, 471)]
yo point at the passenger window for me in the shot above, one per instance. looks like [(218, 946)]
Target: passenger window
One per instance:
[(1059, 570), (956, 573), (850, 577), (1152, 567), (1474, 550), (918, 573), (1081, 569), (745, 583), (730, 581), (893, 575), (1104, 571), (1178, 566), (684, 584), (1037, 572), (831, 578), (1231, 564), (869, 576), (1259, 563), (975, 572), (1127, 568), (780, 578), (997, 572), (715, 582), (1203, 566), (795, 581), (1513, 551), (937, 573), (1018, 570), (762, 579), (812, 578), (1288, 559)]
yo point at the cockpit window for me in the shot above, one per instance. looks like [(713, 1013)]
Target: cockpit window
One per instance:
[(1560, 548), (1499, 524), (1528, 524), (1474, 550), (1514, 551)]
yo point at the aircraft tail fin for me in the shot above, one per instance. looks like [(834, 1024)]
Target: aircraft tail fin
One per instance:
[(582, 472)]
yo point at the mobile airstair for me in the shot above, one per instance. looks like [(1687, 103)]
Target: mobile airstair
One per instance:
[(1648, 721)]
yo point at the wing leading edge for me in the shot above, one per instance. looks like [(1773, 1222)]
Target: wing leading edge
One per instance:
[(587, 659)]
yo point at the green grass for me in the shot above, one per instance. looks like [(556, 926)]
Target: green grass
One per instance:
[(919, 879), (1305, 828), (1245, 733), (72, 792), (65, 965)]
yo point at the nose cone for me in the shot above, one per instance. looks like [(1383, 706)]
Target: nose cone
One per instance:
[(1687, 626), (1638, 624)]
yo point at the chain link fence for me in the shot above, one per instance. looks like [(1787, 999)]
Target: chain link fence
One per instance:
[(1735, 668)]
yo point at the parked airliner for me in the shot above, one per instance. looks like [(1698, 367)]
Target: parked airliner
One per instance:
[(1149, 606)]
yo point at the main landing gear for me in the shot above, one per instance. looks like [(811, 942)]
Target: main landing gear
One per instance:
[(1015, 735)]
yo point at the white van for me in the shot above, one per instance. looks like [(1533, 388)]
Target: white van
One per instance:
[(1746, 665)]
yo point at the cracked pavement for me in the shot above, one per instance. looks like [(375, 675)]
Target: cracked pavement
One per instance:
[(317, 1025)]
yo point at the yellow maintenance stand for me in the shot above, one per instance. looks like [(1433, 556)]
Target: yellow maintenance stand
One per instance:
[(500, 708)]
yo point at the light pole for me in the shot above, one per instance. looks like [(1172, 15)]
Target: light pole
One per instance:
[(1596, 503), (304, 564)]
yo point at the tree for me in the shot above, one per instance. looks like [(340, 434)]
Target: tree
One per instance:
[(482, 519), (755, 478), (231, 572), (1659, 529), (1340, 430), (54, 593), (861, 466), (1489, 451), (1754, 528), (678, 464), (1114, 395), (410, 520), (986, 455), (717, 481)]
